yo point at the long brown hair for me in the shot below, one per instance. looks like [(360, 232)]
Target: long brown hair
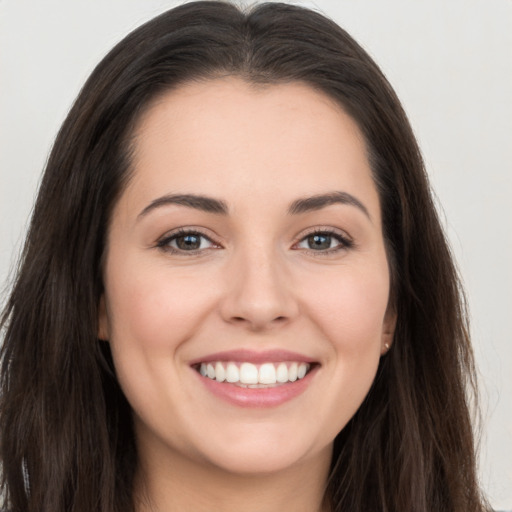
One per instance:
[(67, 442)]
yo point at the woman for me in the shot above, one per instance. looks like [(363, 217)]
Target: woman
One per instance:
[(235, 291)]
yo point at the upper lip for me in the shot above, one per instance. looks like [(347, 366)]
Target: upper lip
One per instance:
[(255, 357)]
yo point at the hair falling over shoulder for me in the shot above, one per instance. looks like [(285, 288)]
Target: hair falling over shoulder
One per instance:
[(66, 435)]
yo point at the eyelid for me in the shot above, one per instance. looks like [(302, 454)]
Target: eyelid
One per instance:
[(164, 241), (345, 240)]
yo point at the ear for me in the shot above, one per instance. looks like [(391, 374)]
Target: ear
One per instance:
[(388, 330), (103, 327)]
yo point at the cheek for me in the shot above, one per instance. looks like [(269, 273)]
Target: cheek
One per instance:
[(154, 309), (152, 312), (350, 307)]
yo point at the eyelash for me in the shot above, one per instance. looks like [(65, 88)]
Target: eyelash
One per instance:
[(164, 243), (344, 242)]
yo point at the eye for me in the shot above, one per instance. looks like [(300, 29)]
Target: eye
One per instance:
[(186, 241), (324, 241)]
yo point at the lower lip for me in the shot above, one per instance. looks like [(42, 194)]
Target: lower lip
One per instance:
[(257, 397)]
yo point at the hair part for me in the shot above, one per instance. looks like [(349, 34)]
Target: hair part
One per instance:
[(67, 441)]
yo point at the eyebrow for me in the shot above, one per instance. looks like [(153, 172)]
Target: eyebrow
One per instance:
[(320, 201), (217, 206), (203, 203)]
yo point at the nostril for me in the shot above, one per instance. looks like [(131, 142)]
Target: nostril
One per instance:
[(242, 319)]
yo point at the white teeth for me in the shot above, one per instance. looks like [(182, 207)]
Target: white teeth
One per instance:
[(267, 374), (282, 373), (292, 372), (248, 373), (232, 373), (220, 373), (254, 376)]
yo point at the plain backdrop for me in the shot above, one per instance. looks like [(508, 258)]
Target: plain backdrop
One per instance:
[(450, 62)]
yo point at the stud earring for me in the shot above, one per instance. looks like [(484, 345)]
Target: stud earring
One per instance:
[(386, 346)]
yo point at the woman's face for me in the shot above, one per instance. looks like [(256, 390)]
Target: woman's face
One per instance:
[(246, 250)]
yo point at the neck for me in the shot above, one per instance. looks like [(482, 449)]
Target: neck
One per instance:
[(181, 484)]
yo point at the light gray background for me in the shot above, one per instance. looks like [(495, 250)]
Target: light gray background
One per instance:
[(451, 64)]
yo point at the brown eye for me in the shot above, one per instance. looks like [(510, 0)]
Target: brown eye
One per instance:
[(324, 242), (319, 242), (183, 242), (188, 242)]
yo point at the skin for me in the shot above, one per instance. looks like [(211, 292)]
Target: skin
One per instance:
[(255, 283)]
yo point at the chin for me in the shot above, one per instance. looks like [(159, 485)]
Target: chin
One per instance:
[(258, 462), (265, 453)]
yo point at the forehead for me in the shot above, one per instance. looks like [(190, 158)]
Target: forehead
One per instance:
[(228, 138)]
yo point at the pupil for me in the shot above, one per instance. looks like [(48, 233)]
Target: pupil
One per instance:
[(188, 242), (319, 242)]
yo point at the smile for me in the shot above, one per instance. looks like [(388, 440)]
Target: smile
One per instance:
[(245, 378), (254, 376)]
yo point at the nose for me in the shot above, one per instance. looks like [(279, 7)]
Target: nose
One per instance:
[(259, 291)]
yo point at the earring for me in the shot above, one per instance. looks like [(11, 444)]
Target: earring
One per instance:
[(386, 346)]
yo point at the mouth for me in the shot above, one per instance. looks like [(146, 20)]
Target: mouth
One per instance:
[(254, 376), (245, 378)]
